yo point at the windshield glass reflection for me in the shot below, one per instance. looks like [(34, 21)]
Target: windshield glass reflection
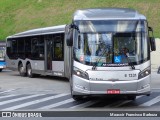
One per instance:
[(109, 48)]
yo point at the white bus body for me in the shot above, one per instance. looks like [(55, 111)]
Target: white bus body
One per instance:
[(38, 51), (111, 53)]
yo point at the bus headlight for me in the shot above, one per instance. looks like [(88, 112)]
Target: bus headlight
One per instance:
[(80, 73), (144, 73)]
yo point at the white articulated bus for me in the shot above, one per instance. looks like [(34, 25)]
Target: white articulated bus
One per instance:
[(102, 52), (38, 51)]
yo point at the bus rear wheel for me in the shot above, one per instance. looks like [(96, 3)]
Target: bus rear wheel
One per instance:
[(0, 70), (21, 70), (29, 71)]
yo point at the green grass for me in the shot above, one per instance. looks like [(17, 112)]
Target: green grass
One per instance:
[(21, 15)]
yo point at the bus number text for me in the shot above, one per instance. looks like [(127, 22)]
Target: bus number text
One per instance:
[(130, 75)]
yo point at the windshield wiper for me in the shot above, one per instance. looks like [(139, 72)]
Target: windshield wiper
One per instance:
[(95, 65), (129, 62)]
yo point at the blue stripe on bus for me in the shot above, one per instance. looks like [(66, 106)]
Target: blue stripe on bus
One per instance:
[(2, 63)]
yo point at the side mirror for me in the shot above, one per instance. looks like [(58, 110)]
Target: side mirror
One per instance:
[(70, 38), (69, 32), (152, 43), (152, 39), (150, 29)]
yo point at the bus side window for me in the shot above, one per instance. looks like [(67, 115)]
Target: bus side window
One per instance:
[(27, 47), (58, 47), (14, 49), (41, 49), (35, 50), (20, 47), (8, 50)]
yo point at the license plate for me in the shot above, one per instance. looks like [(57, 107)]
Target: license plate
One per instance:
[(113, 91)]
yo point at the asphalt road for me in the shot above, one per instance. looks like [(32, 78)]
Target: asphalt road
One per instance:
[(10, 80), (53, 94)]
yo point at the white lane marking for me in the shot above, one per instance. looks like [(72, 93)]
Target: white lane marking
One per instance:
[(125, 102), (18, 99), (35, 102), (85, 104), (7, 91), (151, 102), (6, 96), (57, 104)]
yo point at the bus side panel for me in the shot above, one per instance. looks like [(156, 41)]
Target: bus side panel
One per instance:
[(11, 64), (58, 67), (37, 66)]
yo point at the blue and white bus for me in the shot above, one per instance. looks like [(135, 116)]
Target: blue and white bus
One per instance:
[(2, 55)]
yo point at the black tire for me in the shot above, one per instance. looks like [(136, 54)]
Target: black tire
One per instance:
[(0, 70), (77, 97), (20, 69), (131, 97), (29, 71)]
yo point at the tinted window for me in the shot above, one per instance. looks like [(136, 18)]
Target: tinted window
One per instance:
[(28, 47), (12, 48), (20, 46), (37, 48), (58, 46)]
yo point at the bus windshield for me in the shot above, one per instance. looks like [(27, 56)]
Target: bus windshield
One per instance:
[(110, 46), (2, 53)]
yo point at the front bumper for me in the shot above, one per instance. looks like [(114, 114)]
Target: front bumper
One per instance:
[(86, 87)]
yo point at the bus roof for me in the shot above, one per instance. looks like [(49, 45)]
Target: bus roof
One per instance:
[(108, 14), (40, 31)]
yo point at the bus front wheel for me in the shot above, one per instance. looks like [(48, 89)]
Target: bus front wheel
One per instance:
[(76, 97), (0, 70), (131, 97)]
